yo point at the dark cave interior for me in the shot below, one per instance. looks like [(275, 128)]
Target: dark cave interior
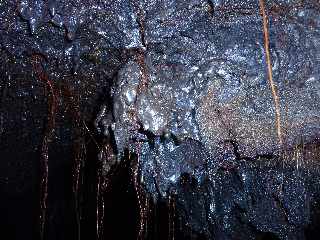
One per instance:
[(171, 119)]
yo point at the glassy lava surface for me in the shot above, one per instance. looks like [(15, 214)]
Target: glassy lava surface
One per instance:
[(187, 94)]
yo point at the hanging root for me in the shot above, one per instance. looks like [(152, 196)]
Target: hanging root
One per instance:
[(73, 106), (80, 152), (143, 201), (48, 133), (171, 213), (269, 66), (100, 205), (139, 197)]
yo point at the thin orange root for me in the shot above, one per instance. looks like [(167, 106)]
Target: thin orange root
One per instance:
[(269, 66)]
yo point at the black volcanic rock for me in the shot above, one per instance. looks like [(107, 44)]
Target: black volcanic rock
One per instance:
[(178, 93)]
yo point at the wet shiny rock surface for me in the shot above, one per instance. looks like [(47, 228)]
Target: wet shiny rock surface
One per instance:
[(181, 88)]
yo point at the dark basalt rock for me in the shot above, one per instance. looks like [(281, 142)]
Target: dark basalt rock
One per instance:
[(178, 92)]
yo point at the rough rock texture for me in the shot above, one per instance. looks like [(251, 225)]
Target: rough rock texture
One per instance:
[(184, 88)]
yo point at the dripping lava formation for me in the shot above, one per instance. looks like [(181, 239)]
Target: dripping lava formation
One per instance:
[(149, 119)]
